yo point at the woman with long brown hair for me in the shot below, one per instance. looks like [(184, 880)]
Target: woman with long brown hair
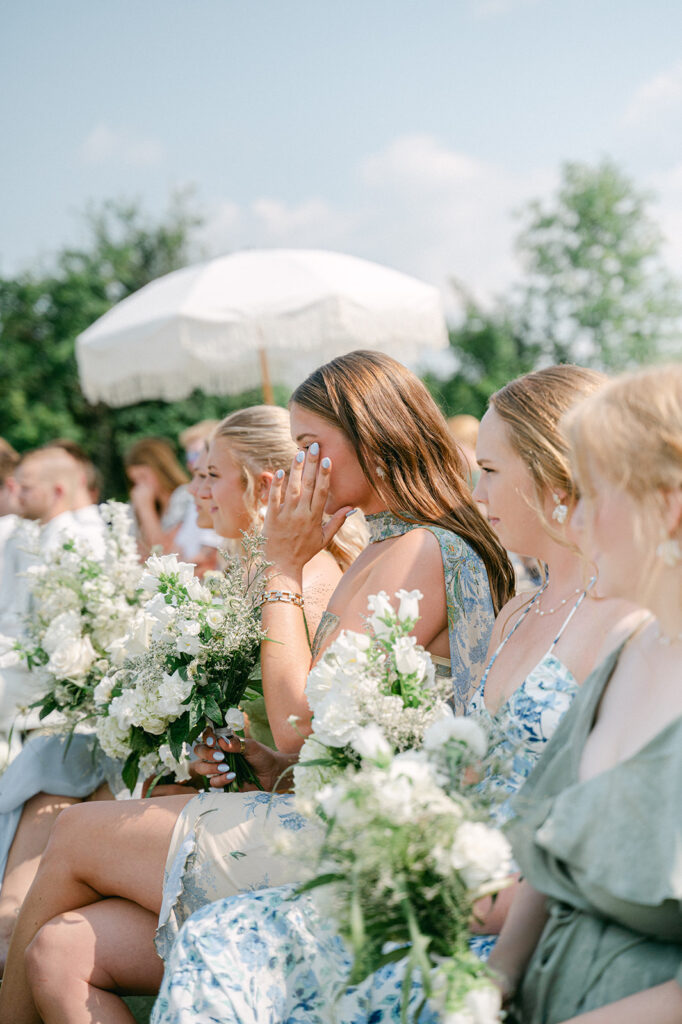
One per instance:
[(370, 437)]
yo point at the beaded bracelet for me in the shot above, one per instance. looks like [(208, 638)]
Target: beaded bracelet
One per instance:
[(288, 596)]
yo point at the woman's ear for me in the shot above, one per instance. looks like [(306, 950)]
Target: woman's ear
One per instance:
[(263, 484), (673, 510)]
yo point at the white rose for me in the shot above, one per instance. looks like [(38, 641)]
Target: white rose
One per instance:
[(456, 727), (371, 743), (408, 660), (139, 634), (64, 627), (383, 615), (409, 604), (481, 854), (72, 659)]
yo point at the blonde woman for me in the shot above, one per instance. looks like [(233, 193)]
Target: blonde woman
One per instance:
[(541, 650), (251, 445), (369, 437), (595, 933)]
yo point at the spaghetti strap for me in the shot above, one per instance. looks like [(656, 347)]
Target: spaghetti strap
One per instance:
[(570, 615), (511, 632)]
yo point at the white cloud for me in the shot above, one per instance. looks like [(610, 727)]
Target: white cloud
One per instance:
[(658, 98), (107, 145), (420, 207)]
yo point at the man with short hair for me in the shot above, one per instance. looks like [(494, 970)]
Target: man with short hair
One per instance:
[(55, 505)]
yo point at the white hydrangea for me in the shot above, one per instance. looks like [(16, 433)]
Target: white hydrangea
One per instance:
[(480, 853)]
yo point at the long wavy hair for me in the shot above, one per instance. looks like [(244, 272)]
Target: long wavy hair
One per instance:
[(405, 450)]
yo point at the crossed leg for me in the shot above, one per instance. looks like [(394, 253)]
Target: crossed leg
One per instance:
[(96, 851)]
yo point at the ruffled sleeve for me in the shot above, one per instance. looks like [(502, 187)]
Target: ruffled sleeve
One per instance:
[(612, 844)]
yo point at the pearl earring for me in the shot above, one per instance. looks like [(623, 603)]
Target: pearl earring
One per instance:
[(669, 552), (379, 472), (262, 512), (560, 512)]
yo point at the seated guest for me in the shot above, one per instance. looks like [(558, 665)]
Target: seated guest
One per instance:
[(158, 493), (594, 935), (52, 493), (196, 541)]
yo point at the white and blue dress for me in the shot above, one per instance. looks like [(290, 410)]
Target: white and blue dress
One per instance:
[(269, 958), (220, 844)]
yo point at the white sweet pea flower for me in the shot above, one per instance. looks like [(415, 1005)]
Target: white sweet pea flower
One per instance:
[(383, 615), (456, 727), (189, 627), (409, 604), (180, 768), (102, 692), (194, 586), (234, 718), (371, 744), (188, 644), (408, 660), (173, 690)]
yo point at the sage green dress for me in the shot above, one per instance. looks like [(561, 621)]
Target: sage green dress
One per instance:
[(608, 854)]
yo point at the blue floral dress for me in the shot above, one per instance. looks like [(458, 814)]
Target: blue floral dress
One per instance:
[(220, 845), (270, 958)]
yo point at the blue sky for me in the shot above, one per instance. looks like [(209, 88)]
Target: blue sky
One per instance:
[(405, 131)]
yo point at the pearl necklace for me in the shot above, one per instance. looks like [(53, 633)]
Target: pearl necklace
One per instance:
[(565, 600), (667, 641)]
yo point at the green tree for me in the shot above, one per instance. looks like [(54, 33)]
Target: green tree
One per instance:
[(488, 351), (41, 315), (597, 292)]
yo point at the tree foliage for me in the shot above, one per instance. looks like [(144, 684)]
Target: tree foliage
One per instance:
[(597, 291), (41, 315)]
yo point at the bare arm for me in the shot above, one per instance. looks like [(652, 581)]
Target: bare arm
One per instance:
[(519, 936), (662, 1004)]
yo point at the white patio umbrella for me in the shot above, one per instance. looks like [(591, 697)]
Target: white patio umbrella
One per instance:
[(239, 321)]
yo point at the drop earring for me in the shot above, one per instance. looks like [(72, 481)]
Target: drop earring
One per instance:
[(669, 552), (560, 512)]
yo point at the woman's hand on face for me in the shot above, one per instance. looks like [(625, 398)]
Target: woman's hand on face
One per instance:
[(293, 529), (267, 764)]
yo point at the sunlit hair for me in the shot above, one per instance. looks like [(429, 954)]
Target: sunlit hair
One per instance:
[(260, 439), (157, 454), (631, 434), (405, 450), (532, 408), (9, 460), (198, 433)]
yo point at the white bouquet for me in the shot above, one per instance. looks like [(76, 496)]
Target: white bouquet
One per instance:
[(382, 678), (190, 656), (404, 853), (80, 606)]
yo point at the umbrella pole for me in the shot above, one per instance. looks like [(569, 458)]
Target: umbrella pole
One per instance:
[(268, 396)]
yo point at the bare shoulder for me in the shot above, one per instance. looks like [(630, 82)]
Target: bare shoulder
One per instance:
[(613, 621), (509, 613), (322, 568)]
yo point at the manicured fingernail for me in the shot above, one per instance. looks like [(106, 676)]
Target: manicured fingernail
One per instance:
[(218, 756), (279, 474), (210, 741), (326, 463), (351, 513), (314, 448), (300, 456), (228, 777)]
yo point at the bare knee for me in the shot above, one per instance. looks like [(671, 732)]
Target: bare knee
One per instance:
[(47, 963)]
